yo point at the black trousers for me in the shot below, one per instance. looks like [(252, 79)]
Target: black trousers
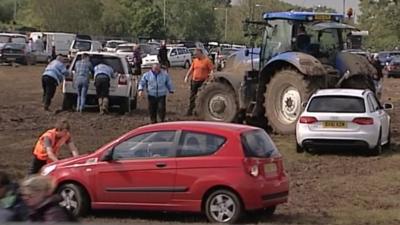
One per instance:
[(194, 88), (102, 84), (36, 165), (157, 106), (49, 86)]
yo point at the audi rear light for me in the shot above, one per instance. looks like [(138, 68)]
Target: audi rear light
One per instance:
[(122, 80), (308, 119), (363, 121)]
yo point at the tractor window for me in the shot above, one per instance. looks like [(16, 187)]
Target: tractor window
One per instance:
[(328, 40), (276, 39)]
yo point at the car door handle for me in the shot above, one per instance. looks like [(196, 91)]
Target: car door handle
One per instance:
[(161, 165)]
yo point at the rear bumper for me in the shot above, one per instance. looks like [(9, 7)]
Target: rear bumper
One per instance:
[(335, 143)]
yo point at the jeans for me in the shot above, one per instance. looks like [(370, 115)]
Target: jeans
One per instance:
[(194, 88), (82, 84), (49, 86), (157, 106)]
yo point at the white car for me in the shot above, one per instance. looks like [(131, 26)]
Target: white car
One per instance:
[(344, 117), (179, 56), (148, 53), (80, 45), (123, 87), (111, 45)]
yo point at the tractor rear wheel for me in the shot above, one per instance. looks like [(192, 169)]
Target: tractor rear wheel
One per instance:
[(284, 97)]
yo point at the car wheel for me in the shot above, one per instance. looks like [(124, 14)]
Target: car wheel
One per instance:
[(186, 65), (124, 106), (377, 150), (299, 149), (74, 199), (223, 206), (68, 101)]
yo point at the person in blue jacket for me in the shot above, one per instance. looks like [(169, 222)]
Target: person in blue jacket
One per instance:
[(102, 76), (158, 84), (53, 76)]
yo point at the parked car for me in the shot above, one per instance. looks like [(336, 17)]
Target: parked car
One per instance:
[(179, 56), (148, 53), (111, 45), (80, 45), (14, 48), (393, 68), (123, 88), (218, 169), (386, 56), (60, 41), (344, 117)]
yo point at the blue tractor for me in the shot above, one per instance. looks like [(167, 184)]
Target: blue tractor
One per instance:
[(300, 53)]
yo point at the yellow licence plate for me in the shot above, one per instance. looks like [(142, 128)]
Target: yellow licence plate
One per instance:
[(270, 168), (322, 17), (334, 124)]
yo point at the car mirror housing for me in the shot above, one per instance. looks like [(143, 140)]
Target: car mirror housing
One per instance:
[(108, 157), (388, 106)]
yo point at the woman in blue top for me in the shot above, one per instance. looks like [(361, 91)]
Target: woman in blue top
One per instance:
[(83, 69)]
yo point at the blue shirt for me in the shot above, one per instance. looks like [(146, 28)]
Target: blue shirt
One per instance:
[(83, 68), (157, 85), (103, 69), (57, 70)]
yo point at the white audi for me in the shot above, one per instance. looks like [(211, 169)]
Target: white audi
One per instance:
[(344, 118)]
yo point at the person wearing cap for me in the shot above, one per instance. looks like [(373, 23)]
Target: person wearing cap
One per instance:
[(43, 205), (53, 76), (158, 84), (102, 76), (200, 71), (48, 146), (12, 207)]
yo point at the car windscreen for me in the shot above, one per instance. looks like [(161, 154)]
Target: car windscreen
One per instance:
[(114, 62), (337, 104), (257, 143), (125, 49), (82, 45)]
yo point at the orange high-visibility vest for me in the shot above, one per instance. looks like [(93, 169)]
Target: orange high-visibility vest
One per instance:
[(40, 150)]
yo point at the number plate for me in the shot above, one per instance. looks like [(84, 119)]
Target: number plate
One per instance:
[(322, 17), (269, 168), (334, 124)]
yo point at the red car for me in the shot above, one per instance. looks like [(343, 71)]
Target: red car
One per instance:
[(219, 169)]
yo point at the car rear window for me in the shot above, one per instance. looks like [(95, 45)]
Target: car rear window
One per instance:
[(257, 143), (337, 104), (114, 62)]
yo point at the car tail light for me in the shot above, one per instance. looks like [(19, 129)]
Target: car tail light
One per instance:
[(122, 80), (252, 167), (363, 121), (308, 119)]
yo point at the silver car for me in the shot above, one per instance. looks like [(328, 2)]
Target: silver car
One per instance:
[(123, 87), (344, 118)]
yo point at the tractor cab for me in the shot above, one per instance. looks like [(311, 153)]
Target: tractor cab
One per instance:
[(321, 35)]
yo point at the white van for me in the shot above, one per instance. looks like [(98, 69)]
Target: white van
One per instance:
[(83, 45), (61, 42)]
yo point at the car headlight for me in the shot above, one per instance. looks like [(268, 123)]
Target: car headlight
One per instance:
[(47, 170)]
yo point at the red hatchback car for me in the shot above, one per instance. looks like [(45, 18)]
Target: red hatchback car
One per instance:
[(219, 169)]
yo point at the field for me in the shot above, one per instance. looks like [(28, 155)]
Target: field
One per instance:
[(333, 187)]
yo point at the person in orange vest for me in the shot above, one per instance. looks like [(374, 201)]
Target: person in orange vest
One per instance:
[(48, 146)]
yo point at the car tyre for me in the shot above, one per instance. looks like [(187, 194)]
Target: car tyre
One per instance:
[(68, 101), (74, 199), (223, 206), (125, 105), (377, 150), (299, 149), (186, 65)]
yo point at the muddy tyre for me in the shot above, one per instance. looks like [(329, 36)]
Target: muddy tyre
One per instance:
[(359, 82), (216, 101), (74, 199), (284, 96), (377, 150)]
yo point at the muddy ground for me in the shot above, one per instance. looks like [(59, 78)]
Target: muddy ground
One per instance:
[(335, 187)]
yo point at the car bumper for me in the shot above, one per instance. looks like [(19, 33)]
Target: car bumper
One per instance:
[(361, 138), (264, 193), (117, 91)]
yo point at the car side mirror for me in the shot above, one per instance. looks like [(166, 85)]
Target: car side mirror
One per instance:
[(388, 106), (108, 157)]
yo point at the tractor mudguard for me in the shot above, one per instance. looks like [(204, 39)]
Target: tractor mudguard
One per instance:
[(306, 64), (233, 79), (353, 64)]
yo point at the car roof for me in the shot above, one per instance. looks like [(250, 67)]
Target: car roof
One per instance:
[(202, 125), (13, 35), (341, 92)]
